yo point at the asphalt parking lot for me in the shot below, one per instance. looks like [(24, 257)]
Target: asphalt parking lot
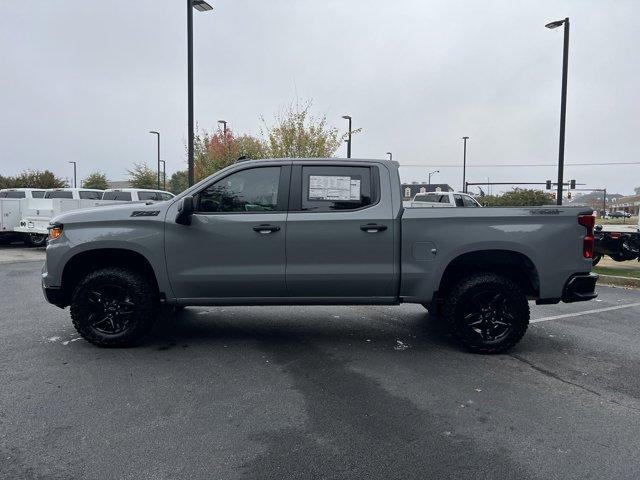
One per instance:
[(316, 392)]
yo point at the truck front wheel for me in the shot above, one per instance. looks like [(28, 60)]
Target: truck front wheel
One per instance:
[(487, 312), (114, 307)]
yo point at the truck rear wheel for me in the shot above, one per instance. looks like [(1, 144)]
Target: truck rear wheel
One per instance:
[(114, 307), (488, 313)]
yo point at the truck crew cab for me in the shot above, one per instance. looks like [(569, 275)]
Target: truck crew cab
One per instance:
[(310, 232)]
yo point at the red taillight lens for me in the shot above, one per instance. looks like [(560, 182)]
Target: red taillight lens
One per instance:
[(588, 244)]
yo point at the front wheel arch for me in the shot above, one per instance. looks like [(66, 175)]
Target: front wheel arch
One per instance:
[(83, 263)]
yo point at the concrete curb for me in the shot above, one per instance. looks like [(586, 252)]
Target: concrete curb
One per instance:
[(619, 281)]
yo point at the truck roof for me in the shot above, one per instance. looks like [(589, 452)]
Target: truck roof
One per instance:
[(323, 160)]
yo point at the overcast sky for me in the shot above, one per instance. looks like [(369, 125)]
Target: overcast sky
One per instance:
[(86, 81)]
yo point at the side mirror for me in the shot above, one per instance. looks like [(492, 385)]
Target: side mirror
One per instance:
[(185, 210)]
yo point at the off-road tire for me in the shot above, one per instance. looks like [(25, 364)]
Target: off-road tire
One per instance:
[(470, 295), (138, 306)]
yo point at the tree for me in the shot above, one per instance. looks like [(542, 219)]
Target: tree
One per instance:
[(142, 176), (33, 179), (637, 190), (214, 151), (296, 134), (179, 182), (96, 180), (518, 197)]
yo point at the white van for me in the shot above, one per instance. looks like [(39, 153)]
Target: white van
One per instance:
[(136, 195)]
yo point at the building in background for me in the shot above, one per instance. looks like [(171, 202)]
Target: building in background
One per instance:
[(629, 204), (409, 190)]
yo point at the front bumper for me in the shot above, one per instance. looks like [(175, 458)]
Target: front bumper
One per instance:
[(580, 288)]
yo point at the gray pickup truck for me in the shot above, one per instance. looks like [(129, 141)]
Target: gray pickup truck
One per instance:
[(315, 232)]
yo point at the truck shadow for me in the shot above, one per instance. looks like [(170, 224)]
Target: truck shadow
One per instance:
[(417, 330)]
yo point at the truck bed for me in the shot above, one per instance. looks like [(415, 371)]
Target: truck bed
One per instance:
[(432, 238)]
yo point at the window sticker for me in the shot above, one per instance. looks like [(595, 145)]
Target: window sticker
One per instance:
[(328, 187)]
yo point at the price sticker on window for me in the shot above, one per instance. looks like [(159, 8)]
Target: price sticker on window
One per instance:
[(327, 187)]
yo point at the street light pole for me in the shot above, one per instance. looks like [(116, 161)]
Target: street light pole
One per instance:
[(464, 166), (431, 173), (563, 101), (164, 175), (75, 178), (224, 127), (158, 134), (201, 6), (390, 155), (347, 117)]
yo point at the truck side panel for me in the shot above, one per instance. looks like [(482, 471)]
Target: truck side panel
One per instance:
[(432, 238)]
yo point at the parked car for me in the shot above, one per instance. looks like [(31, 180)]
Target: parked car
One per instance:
[(619, 214), (11, 212), (136, 195), (316, 232), (444, 199)]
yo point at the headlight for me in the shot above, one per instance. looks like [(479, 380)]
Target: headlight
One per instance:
[(55, 231)]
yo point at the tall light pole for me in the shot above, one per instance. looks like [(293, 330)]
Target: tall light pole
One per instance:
[(75, 178), (563, 101), (464, 166), (390, 155), (164, 174), (432, 173), (158, 134), (201, 6), (347, 117), (224, 127)]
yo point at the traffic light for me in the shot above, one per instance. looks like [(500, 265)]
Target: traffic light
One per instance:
[(548, 184), (572, 185)]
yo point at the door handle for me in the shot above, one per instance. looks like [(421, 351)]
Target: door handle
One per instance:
[(266, 228), (373, 228)]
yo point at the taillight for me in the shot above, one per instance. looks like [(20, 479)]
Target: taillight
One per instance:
[(588, 244)]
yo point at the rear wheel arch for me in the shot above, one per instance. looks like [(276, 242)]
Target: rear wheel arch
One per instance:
[(83, 263), (516, 266)]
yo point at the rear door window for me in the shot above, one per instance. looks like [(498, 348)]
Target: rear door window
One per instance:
[(37, 193), (428, 197), (14, 194), (458, 199), (58, 194), (89, 195), (331, 188), (122, 196), (149, 196)]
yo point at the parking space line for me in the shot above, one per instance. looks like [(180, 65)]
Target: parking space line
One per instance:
[(585, 312)]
